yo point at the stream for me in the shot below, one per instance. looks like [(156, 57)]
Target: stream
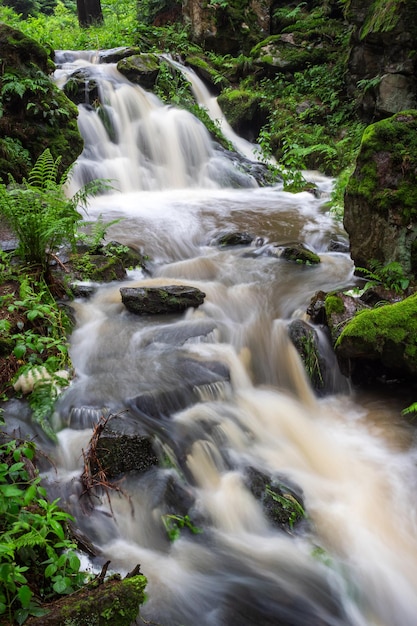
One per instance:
[(350, 457)]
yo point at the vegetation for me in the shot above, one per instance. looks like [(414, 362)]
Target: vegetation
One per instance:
[(37, 559)]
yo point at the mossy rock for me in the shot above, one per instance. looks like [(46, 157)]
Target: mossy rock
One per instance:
[(386, 335), (142, 69), (381, 196), (339, 309), (114, 603), (298, 253), (36, 114), (245, 112)]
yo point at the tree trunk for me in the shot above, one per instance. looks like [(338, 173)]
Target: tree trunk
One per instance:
[(89, 12)]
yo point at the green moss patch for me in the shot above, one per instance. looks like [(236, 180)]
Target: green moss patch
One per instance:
[(388, 333)]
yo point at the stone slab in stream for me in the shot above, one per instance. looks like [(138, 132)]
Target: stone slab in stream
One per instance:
[(160, 300)]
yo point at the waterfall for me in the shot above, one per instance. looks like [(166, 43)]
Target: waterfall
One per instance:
[(132, 139), (223, 396)]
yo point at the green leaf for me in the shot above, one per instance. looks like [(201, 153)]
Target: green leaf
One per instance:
[(19, 350), (25, 595), (60, 585), (50, 570)]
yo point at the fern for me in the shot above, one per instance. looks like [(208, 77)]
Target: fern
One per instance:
[(40, 214), (44, 174)]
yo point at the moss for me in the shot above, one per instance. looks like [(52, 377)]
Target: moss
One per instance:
[(333, 305), (36, 114), (383, 16), (114, 603), (386, 168), (388, 332)]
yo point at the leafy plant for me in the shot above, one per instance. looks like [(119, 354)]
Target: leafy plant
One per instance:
[(390, 276), (96, 233), (40, 214), (174, 524), (37, 560), (412, 409)]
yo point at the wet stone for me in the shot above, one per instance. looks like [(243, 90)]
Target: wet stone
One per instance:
[(160, 300)]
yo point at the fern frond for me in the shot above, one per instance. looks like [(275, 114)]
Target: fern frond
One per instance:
[(29, 540), (44, 173)]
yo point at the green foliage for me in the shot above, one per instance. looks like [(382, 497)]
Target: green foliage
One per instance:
[(412, 409), (35, 552), (174, 524), (94, 238), (391, 276), (39, 344), (40, 214)]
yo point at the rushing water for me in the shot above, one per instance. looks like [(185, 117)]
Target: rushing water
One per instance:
[(353, 561)]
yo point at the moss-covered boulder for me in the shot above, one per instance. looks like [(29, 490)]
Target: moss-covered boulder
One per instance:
[(113, 603), (35, 114), (381, 196), (142, 69), (245, 112), (381, 342)]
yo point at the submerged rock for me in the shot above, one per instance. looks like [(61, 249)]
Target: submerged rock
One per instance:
[(282, 504), (234, 239), (161, 300)]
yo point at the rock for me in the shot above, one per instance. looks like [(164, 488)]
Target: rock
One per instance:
[(51, 120), (234, 239), (205, 378), (142, 69), (299, 253), (114, 55), (339, 309), (128, 255), (306, 342), (381, 342), (381, 196), (161, 300), (227, 27), (244, 111), (98, 268), (382, 63), (121, 453), (282, 504), (81, 88), (115, 602)]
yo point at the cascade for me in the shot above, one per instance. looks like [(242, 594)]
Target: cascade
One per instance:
[(224, 397)]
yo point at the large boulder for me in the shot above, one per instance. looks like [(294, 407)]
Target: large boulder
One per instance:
[(381, 196), (381, 342), (36, 114)]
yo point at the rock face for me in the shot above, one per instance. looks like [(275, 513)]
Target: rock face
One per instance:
[(36, 114), (156, 300), (383, 45), (227, 27), (381, 197)]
